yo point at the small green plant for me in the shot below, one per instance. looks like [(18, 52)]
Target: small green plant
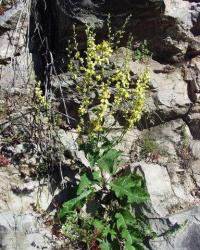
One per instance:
[(142, 52), (151, 148)]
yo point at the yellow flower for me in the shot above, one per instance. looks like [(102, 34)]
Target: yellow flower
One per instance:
[(98, 77), (40, 98), (135, 114)]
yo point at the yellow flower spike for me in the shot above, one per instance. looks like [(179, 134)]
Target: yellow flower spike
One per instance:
[(98, 77), (95, 80), (40, 98), (78, 129), (139, 94)]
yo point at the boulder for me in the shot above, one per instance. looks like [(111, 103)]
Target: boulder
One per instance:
[(168, 137), (168, 97), (193, 121), (192, 76), (195, 149), (15, 62), (171, 210), (182, 233), (163, 199), (195, 167), (23, 231), (172, 35)]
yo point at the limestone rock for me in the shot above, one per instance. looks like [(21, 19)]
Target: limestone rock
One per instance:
[(195, 149), (193, 121), (22, 231), (192, 76), (171, 34), (171, 212), (185, 227), (195, 166), (168, 91), (159, 188), (169, 137)]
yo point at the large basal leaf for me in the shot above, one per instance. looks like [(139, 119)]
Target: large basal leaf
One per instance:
[(105, 245), (125, 224), (91, 151), (138, 196), (129, 247), (85, 184), (124, 219), (99, 225), (137, 235), (108, 160), (69, 206), (127, 186), (127, 237)]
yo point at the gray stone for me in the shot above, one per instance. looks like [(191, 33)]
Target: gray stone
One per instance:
[(159, 188), (20, 227), (168, 91), (185, 226), (167, 195), (68, 140), (192, 76), (170, 209), (23, 231), (195, 149), (171, 34), (168, 136), (182, 182), (193, 121), (11, 16), (128, 140), (16, 76), (195, 166)]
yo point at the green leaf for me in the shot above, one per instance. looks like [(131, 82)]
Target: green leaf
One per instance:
[(108, 160), (124, 219), (138, 196), (137, 235), (127, 186), (92, 158), (104, 229), (69, 206), (98, 225), (96, 176), (120, 221), (105, 245), (127, 226), (107, 230), (129, 247), (127, 237), (84, 184)]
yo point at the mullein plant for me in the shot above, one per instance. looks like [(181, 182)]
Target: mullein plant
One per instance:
[(92, 70), (114, 224)]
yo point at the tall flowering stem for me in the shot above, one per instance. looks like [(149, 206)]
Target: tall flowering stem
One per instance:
[(108, 88)]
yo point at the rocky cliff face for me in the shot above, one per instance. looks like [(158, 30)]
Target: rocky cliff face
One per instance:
[(170, 27), (172, 31), (172, 120)]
